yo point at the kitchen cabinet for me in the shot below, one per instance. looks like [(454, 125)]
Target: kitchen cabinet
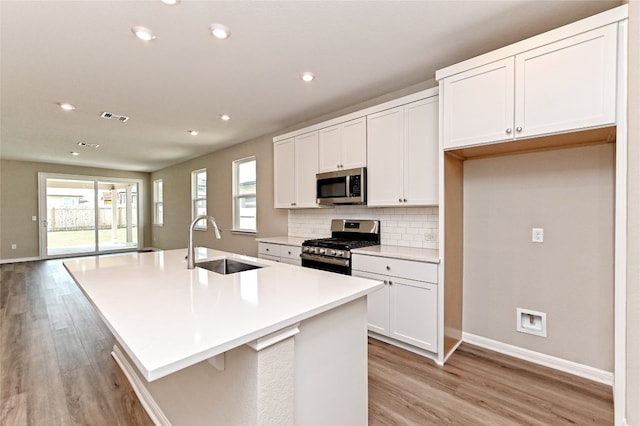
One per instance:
[(343, 146), (402, 155), (280, 253), (406, 308), (566, 85), (295, 162)]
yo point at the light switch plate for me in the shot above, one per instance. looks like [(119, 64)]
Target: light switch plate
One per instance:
[(537, 235)]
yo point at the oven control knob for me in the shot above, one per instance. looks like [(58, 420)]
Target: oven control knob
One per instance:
[(339, 253), (323, 251), (333, 252)]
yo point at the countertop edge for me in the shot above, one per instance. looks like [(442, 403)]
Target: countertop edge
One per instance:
[(399, 252)]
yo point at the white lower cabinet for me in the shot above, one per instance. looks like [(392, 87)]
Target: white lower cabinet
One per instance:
[(406, 308), (280, 253)]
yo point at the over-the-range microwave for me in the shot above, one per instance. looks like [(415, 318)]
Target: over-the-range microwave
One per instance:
[(342, 187)]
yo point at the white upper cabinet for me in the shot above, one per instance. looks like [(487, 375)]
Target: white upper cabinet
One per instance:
[(478, 105), (295, 166), (402, 155), (566, 85), (343, 146)]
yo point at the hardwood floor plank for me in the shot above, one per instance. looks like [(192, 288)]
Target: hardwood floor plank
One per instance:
[(12, 361), (46, 399), (13, 410), (479, 387)]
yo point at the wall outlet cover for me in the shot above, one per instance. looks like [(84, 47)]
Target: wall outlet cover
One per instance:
[(531, 322)]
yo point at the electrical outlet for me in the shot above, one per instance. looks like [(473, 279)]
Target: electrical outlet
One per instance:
[(537, 235), (14, 246)]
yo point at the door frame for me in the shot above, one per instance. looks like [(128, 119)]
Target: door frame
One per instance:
[(42, 209)]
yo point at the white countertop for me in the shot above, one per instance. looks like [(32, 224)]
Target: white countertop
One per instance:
[(167, 317), (397, 252), (289, 241)]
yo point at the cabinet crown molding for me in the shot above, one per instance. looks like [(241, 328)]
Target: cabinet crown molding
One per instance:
[(423, 94), (610, 16)]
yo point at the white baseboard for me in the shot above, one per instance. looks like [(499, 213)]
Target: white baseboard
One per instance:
[(24, 259), (581, 370), (147, 401)]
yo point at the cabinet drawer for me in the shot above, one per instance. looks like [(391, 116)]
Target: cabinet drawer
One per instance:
[(419, 271), (269, 248), (290, 252), (269, 257)]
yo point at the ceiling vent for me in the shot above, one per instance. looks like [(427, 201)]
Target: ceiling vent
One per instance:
[(110, 115)]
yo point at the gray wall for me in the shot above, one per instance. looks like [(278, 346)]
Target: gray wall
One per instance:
[(569, 193), (19, 201), (177, 199)]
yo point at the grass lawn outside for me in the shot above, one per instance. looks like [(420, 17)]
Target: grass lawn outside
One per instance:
[(83, 238)]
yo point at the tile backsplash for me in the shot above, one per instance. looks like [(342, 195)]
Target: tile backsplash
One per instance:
[(399, 226)]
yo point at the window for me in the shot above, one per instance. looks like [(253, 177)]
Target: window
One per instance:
[(244, 195), (158, 216), (199, 196)]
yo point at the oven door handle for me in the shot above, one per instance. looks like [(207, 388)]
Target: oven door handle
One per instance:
[(325, 259)]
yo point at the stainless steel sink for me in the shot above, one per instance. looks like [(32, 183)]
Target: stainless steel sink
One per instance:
[(226, 266)]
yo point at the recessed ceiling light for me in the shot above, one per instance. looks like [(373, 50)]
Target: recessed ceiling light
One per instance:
[(307, 76), (74, 153), (143, 33), (66, 106), (193, 132), (219, 31), (88, 145), (225, 117), (170, 2)]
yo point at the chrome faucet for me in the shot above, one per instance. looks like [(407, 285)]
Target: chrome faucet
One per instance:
[(191, 252)]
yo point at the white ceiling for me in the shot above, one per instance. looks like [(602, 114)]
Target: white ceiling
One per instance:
[(84, 52)]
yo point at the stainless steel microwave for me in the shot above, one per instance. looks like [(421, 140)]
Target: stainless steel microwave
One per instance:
[(342, 187)]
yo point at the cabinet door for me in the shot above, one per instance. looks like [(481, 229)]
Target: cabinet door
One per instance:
[(329, 148), (377, 305), (354, 144), (567, 85), (306, 167), (284, 192), (421, 153), (478, 105), (385, 157), (413, 314)]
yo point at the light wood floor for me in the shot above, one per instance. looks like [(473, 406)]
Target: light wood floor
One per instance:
[(56, 369)]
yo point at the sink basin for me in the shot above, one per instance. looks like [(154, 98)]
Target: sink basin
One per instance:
[(226, 266)]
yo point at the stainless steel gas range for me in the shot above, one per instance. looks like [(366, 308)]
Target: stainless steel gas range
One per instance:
[(334, 254)]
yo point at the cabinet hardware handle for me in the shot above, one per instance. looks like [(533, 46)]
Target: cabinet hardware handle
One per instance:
[(388, 268), (404, 200), (518, 129), (267, 249), (390, 282), (399, 200), (289, 252), (385, 282), (508, 131)]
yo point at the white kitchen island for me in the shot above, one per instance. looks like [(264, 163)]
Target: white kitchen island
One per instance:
[(276, 345)]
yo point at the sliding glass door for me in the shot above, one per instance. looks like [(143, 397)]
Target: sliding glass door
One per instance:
[(87, 215)]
